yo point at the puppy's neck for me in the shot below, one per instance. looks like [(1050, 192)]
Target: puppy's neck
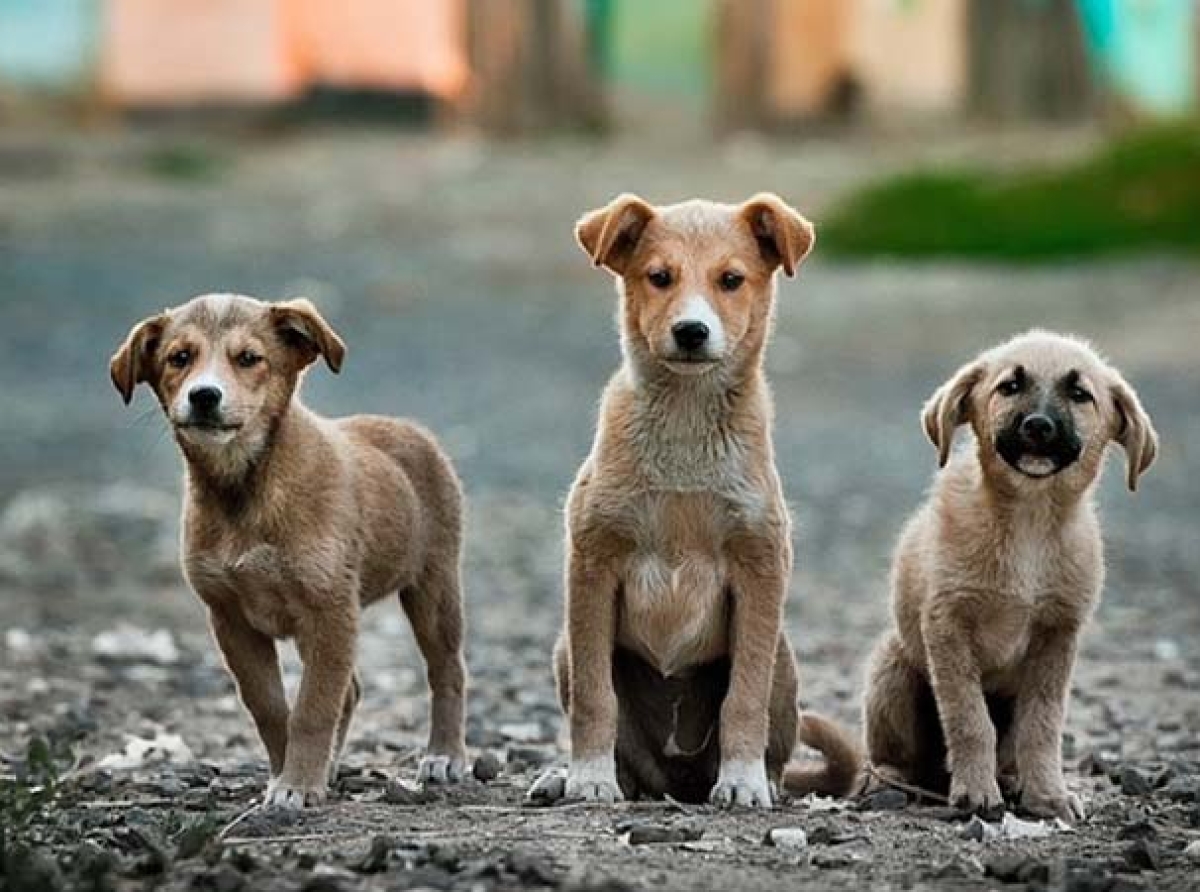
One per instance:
[(695, 433), (1039, 505), (231, 479)]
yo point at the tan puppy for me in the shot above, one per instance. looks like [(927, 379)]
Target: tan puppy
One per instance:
[(292, 523), (672, 667), (996, 575)]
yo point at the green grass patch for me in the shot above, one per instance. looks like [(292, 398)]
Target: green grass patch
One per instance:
[(184, 163), (1140, 193)]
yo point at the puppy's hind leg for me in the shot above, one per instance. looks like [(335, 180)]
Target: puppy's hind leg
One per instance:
[(435, 610), (903, 737), (353, 696)]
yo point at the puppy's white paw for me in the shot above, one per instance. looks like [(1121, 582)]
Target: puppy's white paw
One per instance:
[(976, 791), (1054, 802), (435, 769), (291, 796), (742, 784), (593, 780)]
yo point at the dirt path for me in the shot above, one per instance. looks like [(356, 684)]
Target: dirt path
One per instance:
[(449, 268)]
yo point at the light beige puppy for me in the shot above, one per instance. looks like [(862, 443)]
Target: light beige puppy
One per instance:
[(292, 523), (673, 668), (996, 575)]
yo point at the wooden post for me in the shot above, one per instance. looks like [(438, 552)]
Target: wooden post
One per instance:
[(529, 67)]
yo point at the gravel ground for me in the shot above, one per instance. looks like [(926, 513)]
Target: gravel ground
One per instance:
[(448, 266)]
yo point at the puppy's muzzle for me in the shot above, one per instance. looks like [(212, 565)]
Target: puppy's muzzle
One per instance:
[(1039, 444), (205, 410)]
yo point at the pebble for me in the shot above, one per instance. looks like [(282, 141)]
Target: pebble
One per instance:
[(1142, 855), (1182, 789), (399, 793), (1134, 782), (487, 767), (1011, 867), (1192, 852), (650, 834), (975, 830), (792, 839)]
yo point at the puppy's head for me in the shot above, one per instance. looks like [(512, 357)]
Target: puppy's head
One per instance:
[(224, 367), (1043, 408), (696, 279)]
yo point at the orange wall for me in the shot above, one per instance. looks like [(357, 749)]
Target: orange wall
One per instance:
[(162, 52)]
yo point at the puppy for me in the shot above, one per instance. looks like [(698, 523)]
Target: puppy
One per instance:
[(996, 575), (673, 668), (293, 523)]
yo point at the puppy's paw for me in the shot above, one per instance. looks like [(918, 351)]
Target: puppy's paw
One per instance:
[(742, 784), (438, 769), (292, 796), (1055, 801), (976, 792), (550, 786), (593, 780)]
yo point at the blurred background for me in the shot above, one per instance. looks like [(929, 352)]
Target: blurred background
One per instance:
[(973, 167)]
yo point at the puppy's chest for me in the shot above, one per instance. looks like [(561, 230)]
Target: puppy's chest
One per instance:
[(674, 610), (267, 583)]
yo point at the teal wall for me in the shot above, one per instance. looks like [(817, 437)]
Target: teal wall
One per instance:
[(49, 44)]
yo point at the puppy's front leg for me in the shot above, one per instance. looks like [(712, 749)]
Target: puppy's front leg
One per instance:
[(591, 636), (254, 663), (1041, 707), (962, 710), (327, 652), (758, 580)]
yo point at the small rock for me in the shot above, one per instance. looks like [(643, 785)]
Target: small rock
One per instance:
[(548, 789), (885, 800), (791, 839), (377, 857), (1142, 855), (531, 869), (1013, 867), (833, 860), (223, 878), (1134, 782), (976, 830), (650, 834), (1182, 789), (1192, 852), (400, 793), (487, 768)]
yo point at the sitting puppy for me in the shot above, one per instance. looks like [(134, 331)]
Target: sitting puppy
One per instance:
[(673, 667), (996, 575), (292, 523)]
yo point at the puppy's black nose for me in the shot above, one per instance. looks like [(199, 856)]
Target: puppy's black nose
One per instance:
[(1039, 428), (204, 399), (689, 335)]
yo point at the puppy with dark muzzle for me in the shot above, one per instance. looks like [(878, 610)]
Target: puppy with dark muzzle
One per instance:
[(293, 523), (995, 577)]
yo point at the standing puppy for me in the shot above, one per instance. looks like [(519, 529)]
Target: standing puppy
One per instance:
[(292, 523), (673, 667), (996, 574)]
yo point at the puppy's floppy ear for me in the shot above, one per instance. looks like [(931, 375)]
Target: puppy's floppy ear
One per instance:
[(302, 327), (1134, 431), (949, 407), (609, 234), (784, 237), (133, 362)]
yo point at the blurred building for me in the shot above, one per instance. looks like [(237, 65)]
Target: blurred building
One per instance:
[(520, 65)]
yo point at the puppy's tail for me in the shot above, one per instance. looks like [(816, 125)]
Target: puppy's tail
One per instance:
[(841, 772)]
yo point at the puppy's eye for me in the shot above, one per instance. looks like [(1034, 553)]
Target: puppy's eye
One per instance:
[(1011, 387), (248, 359), (180, 359), (731, 280), (660, 278), (1077, 394)]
